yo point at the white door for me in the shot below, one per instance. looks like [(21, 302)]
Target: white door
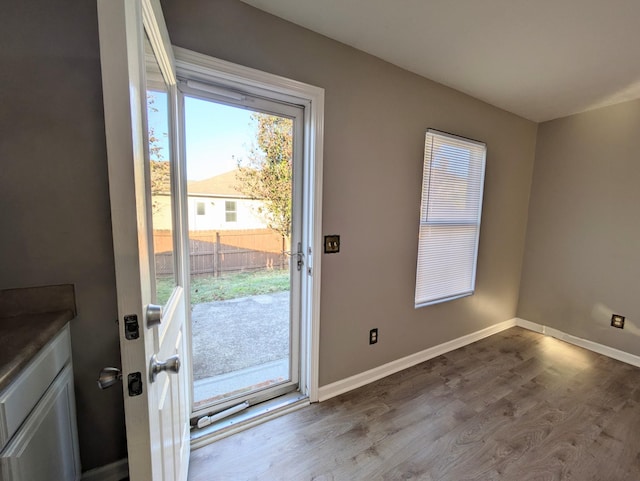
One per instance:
[(140, 102)]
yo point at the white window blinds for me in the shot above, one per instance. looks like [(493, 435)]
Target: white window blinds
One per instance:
[(452, 182)]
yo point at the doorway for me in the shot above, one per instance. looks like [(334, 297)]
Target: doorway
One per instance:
[(255, 282), (244, 194)]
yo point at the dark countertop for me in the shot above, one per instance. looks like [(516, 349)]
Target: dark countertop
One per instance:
[(22, 337), (29, 319)]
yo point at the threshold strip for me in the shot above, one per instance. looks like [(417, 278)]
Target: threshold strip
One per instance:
[(246, 418)]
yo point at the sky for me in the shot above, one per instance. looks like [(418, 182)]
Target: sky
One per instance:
[(216, 134)]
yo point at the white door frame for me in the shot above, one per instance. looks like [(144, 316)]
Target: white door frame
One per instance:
[(198, 67)]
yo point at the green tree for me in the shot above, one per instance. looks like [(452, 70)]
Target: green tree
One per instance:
[(267, 173), (159, 167), (155, 142)]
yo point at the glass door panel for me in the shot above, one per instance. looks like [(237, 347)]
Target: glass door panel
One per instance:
[(161, 178), (240, 185)]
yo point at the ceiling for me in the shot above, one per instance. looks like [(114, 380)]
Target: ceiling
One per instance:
[(539, 59)]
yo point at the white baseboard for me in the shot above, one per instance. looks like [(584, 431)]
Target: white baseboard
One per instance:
[(578, 341), (353, 382), (109, 472), (532, 326)]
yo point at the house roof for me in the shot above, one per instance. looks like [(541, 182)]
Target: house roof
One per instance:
[(223, 185)]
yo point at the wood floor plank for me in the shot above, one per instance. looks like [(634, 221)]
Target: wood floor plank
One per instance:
[(515, 406)]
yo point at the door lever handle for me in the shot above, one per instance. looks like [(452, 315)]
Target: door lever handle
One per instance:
[(172, 364), (299, 255), (108, 377)]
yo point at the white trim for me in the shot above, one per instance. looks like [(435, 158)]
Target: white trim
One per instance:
[(230, 75), (532, 326), (109, 472), (353, 382), (315, 133), (195, 66), (580, 342), (156, 31)]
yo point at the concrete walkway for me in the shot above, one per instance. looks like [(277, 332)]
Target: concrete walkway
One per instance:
[(238, 334)]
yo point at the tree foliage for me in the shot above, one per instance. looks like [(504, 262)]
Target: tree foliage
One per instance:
[(160, 177), (267, 173), (155, 141), (159, 167)]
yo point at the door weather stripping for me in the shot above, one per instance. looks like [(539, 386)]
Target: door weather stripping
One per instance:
[(204, 421), (212, 89)]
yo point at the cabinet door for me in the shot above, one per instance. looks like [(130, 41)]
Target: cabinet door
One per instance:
[(46, 445)]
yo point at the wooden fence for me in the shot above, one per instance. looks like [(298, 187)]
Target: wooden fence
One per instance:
[(219, 252)]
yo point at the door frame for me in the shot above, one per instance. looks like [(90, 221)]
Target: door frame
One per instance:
[(203, 68)]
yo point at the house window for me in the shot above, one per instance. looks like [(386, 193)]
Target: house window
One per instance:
[(452, 183), (230, 210), (200, 208)]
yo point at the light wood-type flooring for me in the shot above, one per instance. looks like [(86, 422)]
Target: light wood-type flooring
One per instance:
[(514, 406)]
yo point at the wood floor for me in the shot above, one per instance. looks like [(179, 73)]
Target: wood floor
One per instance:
[(515, 406)]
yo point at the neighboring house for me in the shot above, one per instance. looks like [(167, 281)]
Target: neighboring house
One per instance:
[(213, 204)]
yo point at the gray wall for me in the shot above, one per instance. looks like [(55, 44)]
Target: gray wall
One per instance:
[(54, 188), (582, 260), (375, 119), (54, 201)]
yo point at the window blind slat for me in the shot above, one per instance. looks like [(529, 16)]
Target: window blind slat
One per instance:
[(453, 178)]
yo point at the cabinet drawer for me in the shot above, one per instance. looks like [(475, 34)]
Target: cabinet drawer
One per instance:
[(17, 400)]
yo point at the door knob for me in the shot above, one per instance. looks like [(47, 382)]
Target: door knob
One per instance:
[(172, 364), (154, 315)]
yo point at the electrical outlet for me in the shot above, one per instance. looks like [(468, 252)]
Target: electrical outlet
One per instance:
[(617, 321), (373, 336)]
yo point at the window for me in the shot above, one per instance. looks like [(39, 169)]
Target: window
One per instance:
[(200, 208), (231, 214), (452, 182)]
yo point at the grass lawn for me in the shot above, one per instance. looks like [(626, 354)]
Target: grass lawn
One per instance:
[(230, 286)]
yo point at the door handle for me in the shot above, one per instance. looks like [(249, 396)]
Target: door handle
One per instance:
[(172, 364), (154, 315), (108, 377), (299, 255)]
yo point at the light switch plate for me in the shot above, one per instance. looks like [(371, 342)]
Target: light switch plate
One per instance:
[(617, 321), (331, 244)]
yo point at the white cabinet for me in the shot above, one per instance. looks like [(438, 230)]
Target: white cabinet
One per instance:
[(37, 413)]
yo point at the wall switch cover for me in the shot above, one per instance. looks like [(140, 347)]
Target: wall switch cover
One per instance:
[(617, 321), (331, 244), (373, 336)]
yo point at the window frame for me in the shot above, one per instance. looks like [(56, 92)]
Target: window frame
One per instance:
[(228, 211)]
